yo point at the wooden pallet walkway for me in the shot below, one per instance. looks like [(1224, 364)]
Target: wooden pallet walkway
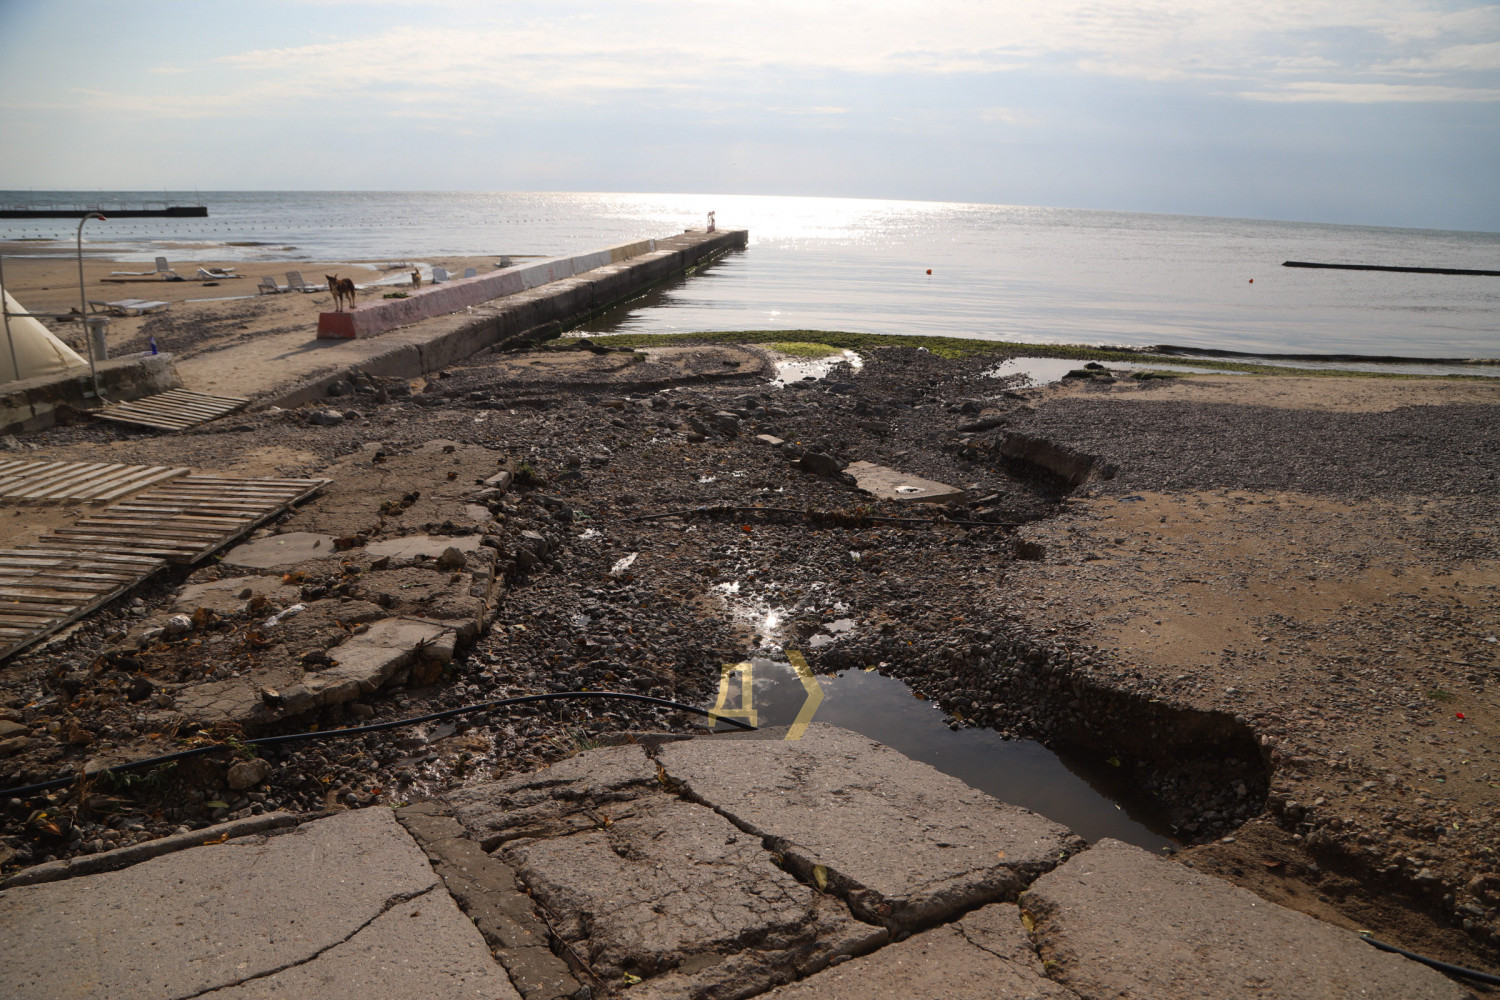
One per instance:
[(184, 520), (23, 480), (62, 576), (173, 410), (43, 591)]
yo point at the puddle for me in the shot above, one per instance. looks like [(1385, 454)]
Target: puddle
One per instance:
[(1045, 371), (803, 369), (759, 616), (1022, 772), (837, 628)]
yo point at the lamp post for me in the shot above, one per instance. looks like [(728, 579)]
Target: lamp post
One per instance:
[(83, 304)]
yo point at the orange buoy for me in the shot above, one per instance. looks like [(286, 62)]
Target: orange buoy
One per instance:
[(1252, 281), (929, 270)]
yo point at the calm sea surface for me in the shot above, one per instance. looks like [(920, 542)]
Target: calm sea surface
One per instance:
[(1038, 275)]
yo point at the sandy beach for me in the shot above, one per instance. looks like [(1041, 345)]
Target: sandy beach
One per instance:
[(204, 314)]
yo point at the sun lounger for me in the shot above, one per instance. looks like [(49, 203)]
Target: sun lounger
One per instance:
[(165, 270), (129, 307), (215, 274), (294, 283), (439, 275), (268, 286)]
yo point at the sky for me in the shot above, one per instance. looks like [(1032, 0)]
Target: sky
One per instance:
[(1378, 112)]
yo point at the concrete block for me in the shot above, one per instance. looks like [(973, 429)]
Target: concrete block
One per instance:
[(889, 484), (276, 551), (905, 844), (693, 906), (229, 594), (422, 546), (212, 917), (1116, 921), (422, 947), (366, 662), (954, 962), (555, 800)]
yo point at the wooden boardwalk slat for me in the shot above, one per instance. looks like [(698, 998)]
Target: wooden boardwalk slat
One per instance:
[(174, 410), (63, 576), (97, 482)]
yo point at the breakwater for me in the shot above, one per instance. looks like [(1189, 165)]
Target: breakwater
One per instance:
[(461, 321)]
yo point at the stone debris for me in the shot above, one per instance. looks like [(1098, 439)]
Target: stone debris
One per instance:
[(1114, 921), (247, 774), (905, 844)]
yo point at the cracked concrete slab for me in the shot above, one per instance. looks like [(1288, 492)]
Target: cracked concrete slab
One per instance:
[(555, 800), (362, 664), (1118, 922), (232, 593), (424, 546), (670, 891), (275, 551), (367, 661), (423, 947), (905, 844), (890, 484), (208, 917), (984, 956)]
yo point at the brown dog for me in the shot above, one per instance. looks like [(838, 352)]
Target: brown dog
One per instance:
[(416, 279), (342, 289)]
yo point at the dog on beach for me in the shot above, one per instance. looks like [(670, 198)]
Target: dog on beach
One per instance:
[(416, 279), (342, 289)]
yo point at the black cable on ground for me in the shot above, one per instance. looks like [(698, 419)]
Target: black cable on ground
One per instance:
[(1452, 970), (25, 791)]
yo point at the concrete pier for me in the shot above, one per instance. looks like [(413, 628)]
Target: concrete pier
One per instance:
[(525, 316), (383, 315)]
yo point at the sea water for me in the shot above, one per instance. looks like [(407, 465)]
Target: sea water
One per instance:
[(1036, 275)]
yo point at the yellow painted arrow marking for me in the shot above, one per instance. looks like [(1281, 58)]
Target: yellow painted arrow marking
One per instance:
[(814, 695)]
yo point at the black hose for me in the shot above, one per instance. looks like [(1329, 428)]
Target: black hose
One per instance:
[(26, 791), (1452, 970)]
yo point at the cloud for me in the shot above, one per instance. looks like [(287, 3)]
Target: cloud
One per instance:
[(818, 110), (736, 54), (1375, 93)]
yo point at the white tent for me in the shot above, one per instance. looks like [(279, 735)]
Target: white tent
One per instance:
[(32, 346)]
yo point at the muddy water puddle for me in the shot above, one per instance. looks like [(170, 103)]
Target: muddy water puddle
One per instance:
[(1022, 772), (812, 369)]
